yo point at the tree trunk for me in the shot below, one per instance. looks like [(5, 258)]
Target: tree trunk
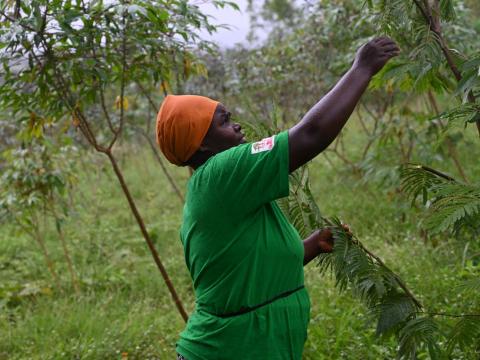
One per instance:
[(146, 236)]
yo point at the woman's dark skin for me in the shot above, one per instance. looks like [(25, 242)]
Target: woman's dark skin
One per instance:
[(317, 129)]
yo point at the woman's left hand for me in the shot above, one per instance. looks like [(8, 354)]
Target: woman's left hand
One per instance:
[(325, 238)]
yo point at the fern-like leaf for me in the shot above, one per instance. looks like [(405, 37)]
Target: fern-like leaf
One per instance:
[(418, 331), (419, 180), (465, 333), (394, 310), (456, 205)]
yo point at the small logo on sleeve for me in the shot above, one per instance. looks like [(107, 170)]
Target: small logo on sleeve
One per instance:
[(263, 145)]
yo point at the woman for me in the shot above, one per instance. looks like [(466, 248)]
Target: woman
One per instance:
[(245, 259)]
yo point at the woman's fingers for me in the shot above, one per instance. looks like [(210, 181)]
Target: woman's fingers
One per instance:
[(392, 47), (347, 229), (384, 40), (325, 234)]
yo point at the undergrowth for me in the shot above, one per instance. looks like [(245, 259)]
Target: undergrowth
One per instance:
[(124, 309)]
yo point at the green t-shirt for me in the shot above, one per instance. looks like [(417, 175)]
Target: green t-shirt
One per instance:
[(241, 252)]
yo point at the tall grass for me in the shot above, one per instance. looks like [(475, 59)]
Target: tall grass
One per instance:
[(124, 309)]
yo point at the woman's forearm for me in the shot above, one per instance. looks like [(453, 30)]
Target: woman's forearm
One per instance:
[(328, 116), (311, 247), (324, 121)]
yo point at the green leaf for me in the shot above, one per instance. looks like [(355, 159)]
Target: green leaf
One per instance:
[(394, 309), (416, 333)]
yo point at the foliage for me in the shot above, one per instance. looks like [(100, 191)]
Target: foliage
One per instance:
[(79, 54), (100, 60), (79, 61), (451, 205), (296, 65), (406, 130), (34, 183), (123, 306), (397, 310), (34, 177), (383, 291)]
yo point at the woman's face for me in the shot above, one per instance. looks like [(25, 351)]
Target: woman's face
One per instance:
[(222, 133)]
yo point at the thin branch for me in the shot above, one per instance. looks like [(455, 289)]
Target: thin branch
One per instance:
[(122, 85), (379, 261), (15, 20), (447, 314), (328, 159), (102, 93), (154, 106), (450, 144), (162, 165), (66, 252), (435, 172), (64, 92), (367, 109), (16, 12), (434, 25), (84, 126), (164, 88), (362, 123), (104, 109)]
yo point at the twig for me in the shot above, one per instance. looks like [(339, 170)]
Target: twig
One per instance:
[(122, 85), (447, 314), (380, 263), (104, 109), (63, 242), (435, 172), (450, 144), (162, 165), (15, 20), (154, 106), (362, 123), (434, 25), (102, 93)]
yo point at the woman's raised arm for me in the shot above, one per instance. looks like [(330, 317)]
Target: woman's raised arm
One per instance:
[(323, 122)]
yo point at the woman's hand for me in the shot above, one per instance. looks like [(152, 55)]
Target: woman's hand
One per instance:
[(324, 121), (372, 56), (320, 241), (325, 238)]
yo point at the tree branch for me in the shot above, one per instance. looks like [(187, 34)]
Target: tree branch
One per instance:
[(447, 314), (435, 172), (122, 85), (154, 106), (433, 21), (379, 261)]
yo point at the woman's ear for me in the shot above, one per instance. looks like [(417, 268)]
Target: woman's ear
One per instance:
[(204, 146)]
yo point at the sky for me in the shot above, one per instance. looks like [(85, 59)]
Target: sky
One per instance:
[(238, 21)]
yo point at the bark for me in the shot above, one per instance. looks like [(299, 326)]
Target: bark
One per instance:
[(432, 17), (146, 236)]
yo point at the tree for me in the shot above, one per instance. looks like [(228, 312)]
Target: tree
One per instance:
[(79, 61)]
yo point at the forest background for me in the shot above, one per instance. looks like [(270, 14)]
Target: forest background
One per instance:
[(86, 199)]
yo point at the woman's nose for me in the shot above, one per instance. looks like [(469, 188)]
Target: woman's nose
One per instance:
[(237, 127)]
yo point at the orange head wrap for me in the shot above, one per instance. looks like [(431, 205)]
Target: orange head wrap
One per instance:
[(182, 123)]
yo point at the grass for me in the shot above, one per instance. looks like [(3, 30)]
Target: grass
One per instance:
[(124, 309)]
